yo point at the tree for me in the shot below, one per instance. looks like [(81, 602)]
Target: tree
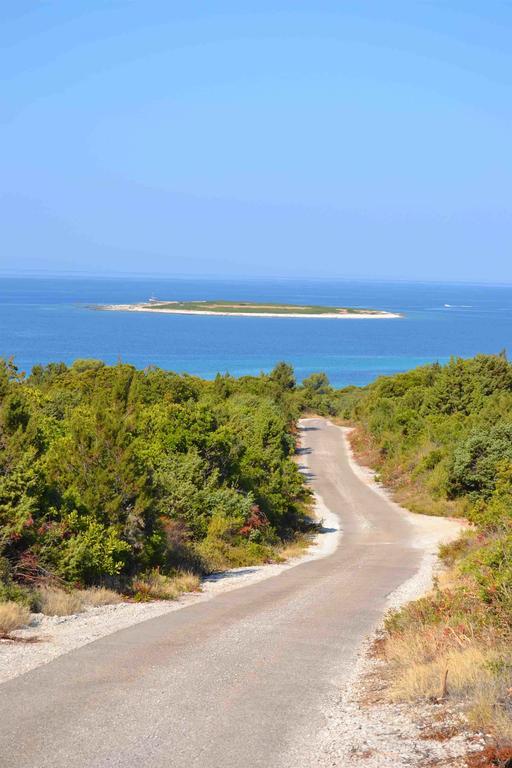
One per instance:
[(317, 384), (283, 375), (108, 470)]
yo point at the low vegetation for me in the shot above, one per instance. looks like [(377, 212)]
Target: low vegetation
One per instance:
[(441, 438), (12, 616), (113, 479), (95, 597), (295, 548), (140, 481), (53, 601), (157, 586), (251, 307)]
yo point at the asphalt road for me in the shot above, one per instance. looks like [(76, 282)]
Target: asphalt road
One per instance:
[(239, 681)]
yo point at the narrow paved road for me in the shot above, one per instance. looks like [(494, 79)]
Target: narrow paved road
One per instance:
[(240, 681)]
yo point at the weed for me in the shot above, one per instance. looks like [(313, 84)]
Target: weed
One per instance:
[(218, 555), (462, 662), (54, 601), (187, 582), (96, 596), (294, 548), (12, 616), (156, 586)]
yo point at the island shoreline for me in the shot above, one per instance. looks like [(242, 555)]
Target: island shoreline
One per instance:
[(377, 315)]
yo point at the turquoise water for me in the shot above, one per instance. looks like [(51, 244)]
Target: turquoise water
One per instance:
[(43, 320)]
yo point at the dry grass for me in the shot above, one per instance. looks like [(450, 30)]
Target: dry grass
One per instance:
[(477, 671), (12, 616), (414, 497), (491, 708), (156, 586), (97, 596), (364, 449), (53, 601), (295, 548), (448, 579), (467, 673), (187, 582)]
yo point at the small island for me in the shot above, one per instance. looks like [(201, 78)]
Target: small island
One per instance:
[(248, 309)]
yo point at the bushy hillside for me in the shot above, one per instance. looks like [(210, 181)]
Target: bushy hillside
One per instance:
[(108, 472), (441, 438), (444, 428)]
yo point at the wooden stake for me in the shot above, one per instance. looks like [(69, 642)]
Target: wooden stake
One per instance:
[(444, 687)]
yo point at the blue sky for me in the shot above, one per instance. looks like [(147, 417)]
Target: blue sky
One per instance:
[(321, 139)]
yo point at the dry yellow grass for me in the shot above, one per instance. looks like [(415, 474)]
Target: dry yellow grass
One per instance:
[(12, 616), (187, 582), (57, 602), (414, 646), (156, 586), (97, 596), (477, 673), (468, 671), (295, 548), (448, 578), (486, 709)]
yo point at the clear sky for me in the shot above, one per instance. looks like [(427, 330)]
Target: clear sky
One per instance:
[(344, 138)]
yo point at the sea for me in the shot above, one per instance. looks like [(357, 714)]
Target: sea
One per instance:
[(50, 319)]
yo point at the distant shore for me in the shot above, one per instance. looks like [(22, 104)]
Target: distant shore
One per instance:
[(239, 310)]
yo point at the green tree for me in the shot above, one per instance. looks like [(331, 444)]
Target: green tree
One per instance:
[(283, 375)]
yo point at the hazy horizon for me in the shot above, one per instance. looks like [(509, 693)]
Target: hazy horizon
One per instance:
[(111, 275)]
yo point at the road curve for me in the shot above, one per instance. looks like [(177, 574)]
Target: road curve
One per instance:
[(241, 681)]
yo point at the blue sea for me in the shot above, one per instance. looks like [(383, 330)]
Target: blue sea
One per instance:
[(49, 319)]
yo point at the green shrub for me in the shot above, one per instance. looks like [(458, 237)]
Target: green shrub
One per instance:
[(92, 551), (476, 459), (491, 567), (157, 586), (16, 593)]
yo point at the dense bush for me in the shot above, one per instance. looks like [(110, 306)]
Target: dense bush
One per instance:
[(442, 437), (107, 471), (447, 428)]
